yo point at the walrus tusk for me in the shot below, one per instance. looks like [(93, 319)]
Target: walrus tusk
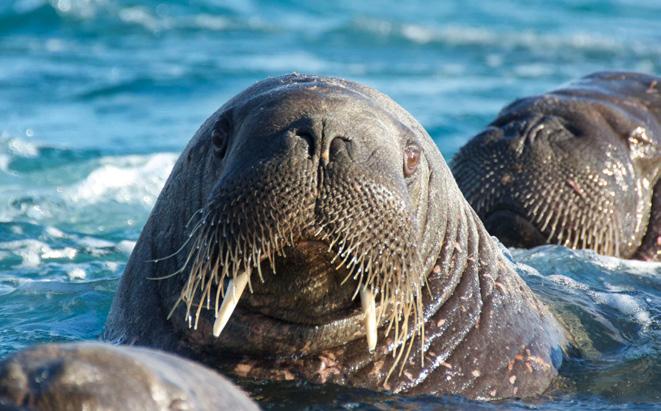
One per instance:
[(369, 308), (235, 288)]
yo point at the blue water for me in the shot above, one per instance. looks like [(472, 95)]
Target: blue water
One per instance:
[(97, 97)]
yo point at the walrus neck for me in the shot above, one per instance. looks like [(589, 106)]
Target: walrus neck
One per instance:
[(467, 269), (475, 296)]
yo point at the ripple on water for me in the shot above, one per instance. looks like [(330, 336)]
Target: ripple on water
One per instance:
[(612, 308)]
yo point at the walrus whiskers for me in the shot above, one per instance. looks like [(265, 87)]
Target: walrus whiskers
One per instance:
[(380, 279), (189, 238), (212, 259)]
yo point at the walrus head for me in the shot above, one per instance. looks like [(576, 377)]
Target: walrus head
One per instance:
[(328, 242), (313, 219), (576, 166)]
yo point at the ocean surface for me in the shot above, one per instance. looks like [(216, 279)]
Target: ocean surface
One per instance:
[(97, 97)]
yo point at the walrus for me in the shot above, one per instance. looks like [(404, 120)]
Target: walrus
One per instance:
[(312, 231), (97, 376), (579, 166)]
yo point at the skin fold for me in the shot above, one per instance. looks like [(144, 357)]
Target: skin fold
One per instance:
[(579, 166), (96, 376), (321, 192)]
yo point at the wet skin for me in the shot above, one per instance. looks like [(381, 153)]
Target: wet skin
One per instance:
[(579, 166), (329, 198)]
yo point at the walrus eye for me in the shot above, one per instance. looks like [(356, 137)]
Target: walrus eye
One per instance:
[(411, 159), (220, 135)]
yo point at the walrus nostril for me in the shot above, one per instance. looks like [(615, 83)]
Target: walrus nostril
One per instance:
[(309, 138), (338, 145), (411, 159), (527, 133)]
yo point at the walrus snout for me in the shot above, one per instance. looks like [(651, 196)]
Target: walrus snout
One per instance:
[(529, 131), (323, 141)]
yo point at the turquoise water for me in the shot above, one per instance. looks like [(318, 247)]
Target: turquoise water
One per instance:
[(97, 97)]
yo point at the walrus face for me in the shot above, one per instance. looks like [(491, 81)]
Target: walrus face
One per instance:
[(564, 169), (318, 210)]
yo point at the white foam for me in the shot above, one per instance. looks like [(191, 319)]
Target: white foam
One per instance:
[(533, 70), (417, 34), (76, 273), (140, 16), (527, 270), (32, 252), (635, 267), (128, 179), (22, 148), (625, 304), (66, 252), (54, 232), (210, 22), (83, 9), (12, 147), (607, 265), (93, 242), (112, 265), (126, 246), (567, 282), (4, 162), (479, 36), (608, 281)]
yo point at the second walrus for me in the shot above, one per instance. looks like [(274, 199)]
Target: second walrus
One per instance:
[(579, 166)]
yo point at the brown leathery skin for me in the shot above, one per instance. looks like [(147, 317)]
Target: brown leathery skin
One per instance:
[(97, 376), (314, 161), (579, 166)]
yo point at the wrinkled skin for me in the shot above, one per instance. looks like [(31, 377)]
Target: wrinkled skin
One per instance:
[(579, 166), (309, 168), (96, 376)]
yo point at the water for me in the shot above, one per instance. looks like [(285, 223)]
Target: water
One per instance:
[(97, 97)]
